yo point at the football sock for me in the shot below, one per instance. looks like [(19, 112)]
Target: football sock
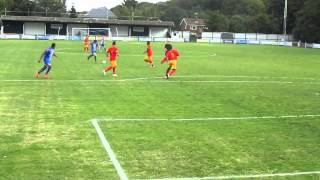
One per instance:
[(42, 69), (114, 70), (172, 72), (48, 70), (168, 70)]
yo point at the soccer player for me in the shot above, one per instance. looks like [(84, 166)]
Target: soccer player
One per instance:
[(102, 42), (94, 46), (171, 56), (112, 53), (47, 58), (86, 43), (149, 52)]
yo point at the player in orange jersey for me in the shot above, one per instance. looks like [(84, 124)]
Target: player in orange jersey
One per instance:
[(86, 43), (112, 53), (171, 56), (149, 52)]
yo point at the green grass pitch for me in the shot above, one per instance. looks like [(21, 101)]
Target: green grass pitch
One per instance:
[(45, 129)]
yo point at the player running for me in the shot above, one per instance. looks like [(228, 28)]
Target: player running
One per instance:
[(47, 58), (171, 56), (149, 52), (86, 43), (112, 53), (94, 46)]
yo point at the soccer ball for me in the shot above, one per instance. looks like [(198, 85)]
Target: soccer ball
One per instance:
[(104, 62)]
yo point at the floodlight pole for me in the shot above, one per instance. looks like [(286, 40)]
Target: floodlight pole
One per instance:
[(285, 15)]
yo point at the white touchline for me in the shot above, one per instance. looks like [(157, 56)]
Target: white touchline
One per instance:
[(216, 118), (140, 80), (242, 176), (110, 152)]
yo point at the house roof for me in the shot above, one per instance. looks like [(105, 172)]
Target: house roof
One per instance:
[(101, 12), (193, 21), (87, 21)]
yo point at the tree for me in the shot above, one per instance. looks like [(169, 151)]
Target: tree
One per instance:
[(174, 14), (121, 10), (73, 12), (237, 23), (21, 8), (217, 22), (294, 6), (308, 25), (51, 7), (260, 24), (130, 4)]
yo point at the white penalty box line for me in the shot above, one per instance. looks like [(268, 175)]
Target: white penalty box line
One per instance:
[(123, 176), (107, 147), (213, 118), (242, 176)]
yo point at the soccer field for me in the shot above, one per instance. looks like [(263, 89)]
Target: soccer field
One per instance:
[(230, 112)]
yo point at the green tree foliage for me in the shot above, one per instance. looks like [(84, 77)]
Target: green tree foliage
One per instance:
[(217, 22), (50, 6), (308, 25), (131, 5), (174, 14), (121, 10), (238, 23), (24, 7)]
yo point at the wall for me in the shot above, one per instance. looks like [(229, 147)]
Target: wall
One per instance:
[(139, 31), (33, 28), (52, 28), (119, 31), (14, 27)]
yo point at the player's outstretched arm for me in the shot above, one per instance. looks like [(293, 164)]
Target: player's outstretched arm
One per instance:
[(41, 56), (54, 54)]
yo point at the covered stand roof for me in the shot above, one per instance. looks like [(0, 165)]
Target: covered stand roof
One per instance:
[(87, 21)]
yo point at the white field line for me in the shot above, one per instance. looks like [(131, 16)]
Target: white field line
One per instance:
[(242, 76), (241, 82), (152, 80), (140, 80), (213, 118), (110, 152), (243, 176)]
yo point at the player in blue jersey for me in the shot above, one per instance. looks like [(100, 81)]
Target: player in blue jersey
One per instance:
[(94, 46), (46, 56)]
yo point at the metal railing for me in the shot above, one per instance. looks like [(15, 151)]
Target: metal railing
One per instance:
[(68, 14)]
